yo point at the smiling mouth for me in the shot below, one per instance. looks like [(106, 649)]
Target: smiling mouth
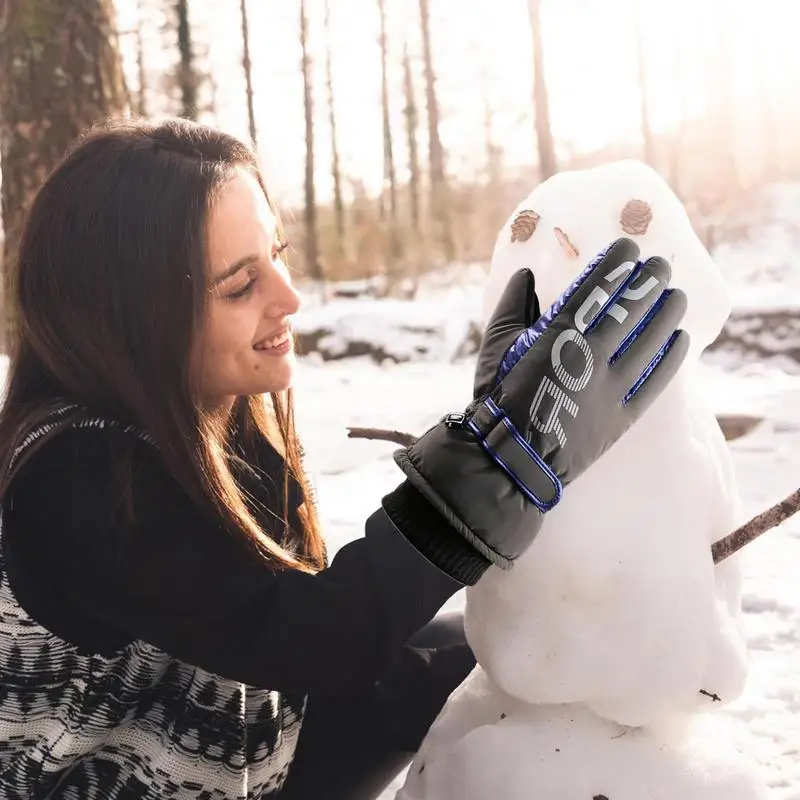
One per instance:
[(274, 342)]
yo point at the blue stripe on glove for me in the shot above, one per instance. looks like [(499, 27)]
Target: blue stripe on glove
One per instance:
[(639, 327), (525, 340), (651, 366), (519, 439)]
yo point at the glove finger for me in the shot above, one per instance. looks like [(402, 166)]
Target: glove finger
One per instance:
[(643, 343), (517, 309), (620, 314), (582, 302), (515, 306), (658, 374)]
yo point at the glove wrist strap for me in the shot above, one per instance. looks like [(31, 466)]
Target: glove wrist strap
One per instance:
[(508, 448)]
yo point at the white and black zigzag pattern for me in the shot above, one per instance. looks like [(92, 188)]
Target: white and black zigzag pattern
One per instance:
[(139, 724)]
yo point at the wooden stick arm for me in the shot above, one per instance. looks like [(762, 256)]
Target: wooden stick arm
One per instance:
[(759, 524), (720, 550), (398, 437)]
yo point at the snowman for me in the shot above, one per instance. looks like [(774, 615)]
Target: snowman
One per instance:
[(604, 653)]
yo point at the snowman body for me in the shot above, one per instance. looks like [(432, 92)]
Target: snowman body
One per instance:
[(603, 653)]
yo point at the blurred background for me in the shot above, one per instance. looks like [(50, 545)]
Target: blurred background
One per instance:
[(397, 135)]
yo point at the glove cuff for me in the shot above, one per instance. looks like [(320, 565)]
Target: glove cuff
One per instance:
[(418, 481), (429, 532)]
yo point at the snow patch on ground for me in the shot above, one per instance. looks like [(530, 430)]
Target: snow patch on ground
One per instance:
[(352, 476)]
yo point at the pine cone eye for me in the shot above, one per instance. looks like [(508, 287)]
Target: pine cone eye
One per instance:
[(524, 225), (636, 217)]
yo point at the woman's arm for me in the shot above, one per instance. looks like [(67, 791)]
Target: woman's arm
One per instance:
[(352, 748), (174, 579)]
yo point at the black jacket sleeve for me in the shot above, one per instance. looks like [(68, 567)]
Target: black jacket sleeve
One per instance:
[(171, 577), (352, 748)]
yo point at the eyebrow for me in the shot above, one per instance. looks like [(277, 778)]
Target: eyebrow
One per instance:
[(235, 267)]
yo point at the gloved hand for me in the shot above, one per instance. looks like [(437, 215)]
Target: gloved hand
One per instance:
[(552, 393)]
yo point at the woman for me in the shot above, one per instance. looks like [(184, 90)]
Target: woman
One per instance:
[(167, 614)]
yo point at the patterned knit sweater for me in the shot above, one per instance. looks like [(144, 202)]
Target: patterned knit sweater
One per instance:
[(136, 652)]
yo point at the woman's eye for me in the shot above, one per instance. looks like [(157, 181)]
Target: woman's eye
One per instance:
[(243, 292)]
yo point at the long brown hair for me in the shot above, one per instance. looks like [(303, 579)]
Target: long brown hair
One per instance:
[(109, 291)]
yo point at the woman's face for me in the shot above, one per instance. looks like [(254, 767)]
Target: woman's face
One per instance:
[(245, 346)]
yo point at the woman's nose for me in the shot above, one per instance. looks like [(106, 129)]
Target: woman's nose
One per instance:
[(282, 297)]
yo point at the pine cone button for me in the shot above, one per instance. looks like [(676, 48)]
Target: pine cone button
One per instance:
[(636, 217), (524, 225)]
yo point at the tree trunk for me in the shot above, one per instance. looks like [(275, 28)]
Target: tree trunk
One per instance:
[(723, 93), (213, 93), (389, 181), (389, 177), (336, 167), (248, 75), (60, 73), (439, 188), (141, 96), (411, 133), (648, 142), (681, 53), (494, 153), (541, 105), (770, 145), (313, 264), (187, 79)]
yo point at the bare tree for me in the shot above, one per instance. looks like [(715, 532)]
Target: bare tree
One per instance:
[(141, 95), (648, 141), (389, 179), (723, 57), (187, 77), (439, 188), (213, 93), (389, 176), (313, 263), (770, 144), (49, 93), (411, 116), (248, 76), (682, 48), (494, 153), (541, 104), (336, 169)]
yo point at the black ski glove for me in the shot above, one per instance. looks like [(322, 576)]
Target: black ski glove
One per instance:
[(552, 394)]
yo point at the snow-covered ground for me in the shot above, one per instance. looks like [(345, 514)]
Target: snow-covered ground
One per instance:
[(352, 475), (762, 268)]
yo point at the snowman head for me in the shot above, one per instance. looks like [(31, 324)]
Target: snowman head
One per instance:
[(572, 216)]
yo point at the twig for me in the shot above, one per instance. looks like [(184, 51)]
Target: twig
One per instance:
[(759, 524), (720, 550), (398, 437)]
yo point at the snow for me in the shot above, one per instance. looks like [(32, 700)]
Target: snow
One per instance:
[(352, 476), (762, 267), (616, 616), (617, 604), (760, 723), (568, 753), (404, 330), (587, 206)]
